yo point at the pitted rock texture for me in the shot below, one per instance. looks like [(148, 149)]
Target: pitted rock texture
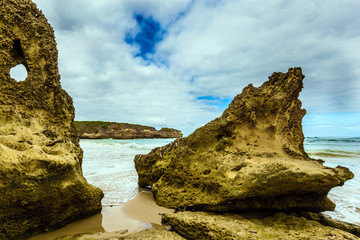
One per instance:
[(252, 157), (156, 232), (202, 225), (41, 182), (347, 227)]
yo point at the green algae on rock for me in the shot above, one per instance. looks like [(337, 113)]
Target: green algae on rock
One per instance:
[(202, 225), (252, 157), (41, 182), (101, 130)]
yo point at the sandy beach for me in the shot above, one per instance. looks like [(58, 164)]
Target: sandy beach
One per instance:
[(137, 214), (133, 216)]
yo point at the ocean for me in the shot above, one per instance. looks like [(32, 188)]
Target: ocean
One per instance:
[(344, 152), (108, 164)]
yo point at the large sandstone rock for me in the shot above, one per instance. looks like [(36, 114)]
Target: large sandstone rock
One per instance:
[(252, 157), (41, 182), (202, 225)]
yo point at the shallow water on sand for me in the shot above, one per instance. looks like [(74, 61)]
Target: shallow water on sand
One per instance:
[(114, 222), (108, 164)]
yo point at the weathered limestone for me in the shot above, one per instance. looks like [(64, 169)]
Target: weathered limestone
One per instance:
[(154, 233), (41, 182), (347, 227), (252, 157), (202, 225)]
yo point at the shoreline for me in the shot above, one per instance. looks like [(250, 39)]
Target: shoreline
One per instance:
[(141, 213), (138, 214), (128, 218)]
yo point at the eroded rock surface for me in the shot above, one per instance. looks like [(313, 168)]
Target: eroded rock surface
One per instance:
[(41, 182), (347, 227), (252, 157), (154, 233), (101, 130), (202, 225)]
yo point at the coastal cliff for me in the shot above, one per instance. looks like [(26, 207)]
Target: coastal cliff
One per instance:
[(41, 181), (99, 129)]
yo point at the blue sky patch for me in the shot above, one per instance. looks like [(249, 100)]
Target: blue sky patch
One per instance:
[(149, 34), (222, 103), (337, 124)]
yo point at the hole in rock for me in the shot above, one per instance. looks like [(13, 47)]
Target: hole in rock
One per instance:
[(17, 48), (19, 73)]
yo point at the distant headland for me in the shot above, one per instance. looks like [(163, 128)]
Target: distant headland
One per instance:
[(102, 130)]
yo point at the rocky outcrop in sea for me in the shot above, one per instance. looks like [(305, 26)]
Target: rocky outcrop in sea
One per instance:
[(249, 159), (41, 181), (114, 130), (252, 157)]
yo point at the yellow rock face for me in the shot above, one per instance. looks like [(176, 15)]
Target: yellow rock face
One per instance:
[(202, 225), (252, 157), (41, 182)]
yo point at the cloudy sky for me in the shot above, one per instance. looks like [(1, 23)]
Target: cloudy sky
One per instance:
[(179, 63)]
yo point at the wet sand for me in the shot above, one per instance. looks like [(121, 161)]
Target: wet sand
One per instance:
[(136, 215)]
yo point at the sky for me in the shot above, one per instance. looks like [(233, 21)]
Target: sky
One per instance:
[(179, 63)]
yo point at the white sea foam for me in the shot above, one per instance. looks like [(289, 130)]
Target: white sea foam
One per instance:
[(108, 164)]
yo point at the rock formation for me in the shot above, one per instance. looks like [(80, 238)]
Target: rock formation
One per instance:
[(252, 157), (326, 221), (99, 129), (156, 232), (41, 182), (202, 225)]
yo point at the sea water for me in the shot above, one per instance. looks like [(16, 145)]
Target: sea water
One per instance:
[(108, 164), (344, 152)]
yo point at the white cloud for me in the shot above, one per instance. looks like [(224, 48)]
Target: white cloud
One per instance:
[(221, 45), (229, 45)]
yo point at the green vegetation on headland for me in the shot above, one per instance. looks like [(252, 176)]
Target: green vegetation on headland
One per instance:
[(92, 126), (101, 129)]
